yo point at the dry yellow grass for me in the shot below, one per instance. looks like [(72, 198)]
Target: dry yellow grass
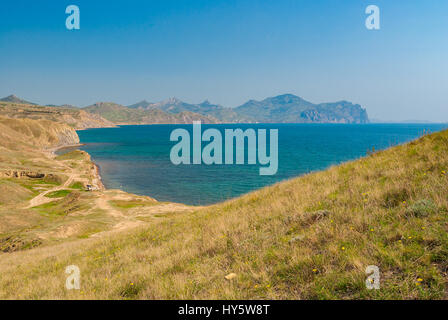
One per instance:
[(307, 238)]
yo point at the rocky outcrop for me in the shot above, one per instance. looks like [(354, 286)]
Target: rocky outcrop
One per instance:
[(29, 174), (17, 243), (339, 112)]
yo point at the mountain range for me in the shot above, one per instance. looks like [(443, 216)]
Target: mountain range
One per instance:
[(286, 108), (120, 114)]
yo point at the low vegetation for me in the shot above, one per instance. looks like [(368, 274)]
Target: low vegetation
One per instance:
[(72, 155), (77, 185), (58, 194)]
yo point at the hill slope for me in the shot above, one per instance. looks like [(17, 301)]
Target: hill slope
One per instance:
[(14, 99), (176, 106), (17, 134), (307, 238), (76, 118)]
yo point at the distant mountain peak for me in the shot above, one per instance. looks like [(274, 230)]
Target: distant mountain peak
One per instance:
[(173, 100), (144, 104), (15, 99), (287, 96)]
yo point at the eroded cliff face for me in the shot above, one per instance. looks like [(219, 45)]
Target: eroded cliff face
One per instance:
[(62, 135), (19, 134), (347, 114)]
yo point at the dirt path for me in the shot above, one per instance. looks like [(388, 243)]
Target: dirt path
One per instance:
[(41, 199), (125, 222), (103, 203), (121, 219)]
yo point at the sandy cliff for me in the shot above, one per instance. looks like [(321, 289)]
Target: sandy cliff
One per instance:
[(18, 134)]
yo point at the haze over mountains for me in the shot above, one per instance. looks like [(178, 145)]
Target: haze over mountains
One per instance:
[(120, 114), (213, 111), (285, 108), (289, 108)]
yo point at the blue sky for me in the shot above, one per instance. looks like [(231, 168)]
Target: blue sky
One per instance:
[(229, 52)]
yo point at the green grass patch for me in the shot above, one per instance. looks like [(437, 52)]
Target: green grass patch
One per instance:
[(77, 185), (421, 208), (58, 194), (46, 207), (126, 204), (72, 202), (72, 155)]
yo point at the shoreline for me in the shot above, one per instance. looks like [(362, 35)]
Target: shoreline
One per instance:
[(97, 175), (97, 179), (125, 124), (68, 146)]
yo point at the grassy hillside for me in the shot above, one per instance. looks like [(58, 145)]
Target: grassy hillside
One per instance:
[(14, 99), (307, 238)]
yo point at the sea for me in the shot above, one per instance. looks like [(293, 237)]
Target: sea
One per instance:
[(136, 159)]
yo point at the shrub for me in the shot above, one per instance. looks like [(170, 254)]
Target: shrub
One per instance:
[(58, 194), (421, 208), (77, 185)]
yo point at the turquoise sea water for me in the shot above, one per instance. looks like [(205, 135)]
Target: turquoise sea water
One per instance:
[(137, 158)]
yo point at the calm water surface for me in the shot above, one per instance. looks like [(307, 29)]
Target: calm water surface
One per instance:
[(137, 158)]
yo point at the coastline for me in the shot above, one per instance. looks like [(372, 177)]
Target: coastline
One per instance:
[(97, 175), (97, 181)]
